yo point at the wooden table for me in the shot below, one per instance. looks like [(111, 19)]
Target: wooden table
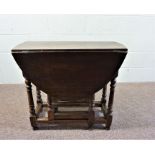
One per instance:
[(70, 73)]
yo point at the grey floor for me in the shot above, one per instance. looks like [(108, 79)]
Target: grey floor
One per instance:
[(134, 115)]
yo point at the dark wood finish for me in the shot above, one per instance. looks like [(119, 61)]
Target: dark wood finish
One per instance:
[(110, 103), (39, 105), (66, 104), (51, 110), (38, 94), (70, 73), (103, 100), (31, 104), (91, 114), (100, 120), (74, 115), (69, 121), (89, 72)]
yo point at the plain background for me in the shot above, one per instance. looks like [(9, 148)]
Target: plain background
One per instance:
[(137, 32)]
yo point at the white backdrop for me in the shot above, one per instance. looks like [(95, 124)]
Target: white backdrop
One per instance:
[(136, 32)]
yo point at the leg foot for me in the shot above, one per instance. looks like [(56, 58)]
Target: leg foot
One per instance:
[(33, 122), (91, 119), (35, 128), (109, 121)]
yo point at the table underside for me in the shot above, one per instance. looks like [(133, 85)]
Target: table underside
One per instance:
[(55, 113)]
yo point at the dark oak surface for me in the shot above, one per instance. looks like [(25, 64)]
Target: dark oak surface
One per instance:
[(69, 45), (72, 72)]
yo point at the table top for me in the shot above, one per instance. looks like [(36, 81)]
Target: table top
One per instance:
[(69, 70), (69, 45)]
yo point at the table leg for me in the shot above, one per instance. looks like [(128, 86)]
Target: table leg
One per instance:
[(110, 103), (31, 104), (91, 114), (103, 100), (39, 99), (50, 111)]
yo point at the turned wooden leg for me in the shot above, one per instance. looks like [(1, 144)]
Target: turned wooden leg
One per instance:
[(103, 100), (31, 104), (91, 114), (39, 106), (110, 104), (38, 94), (50, 111)]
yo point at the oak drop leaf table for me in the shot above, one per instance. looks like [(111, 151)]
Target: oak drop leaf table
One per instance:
[(70, 73)]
